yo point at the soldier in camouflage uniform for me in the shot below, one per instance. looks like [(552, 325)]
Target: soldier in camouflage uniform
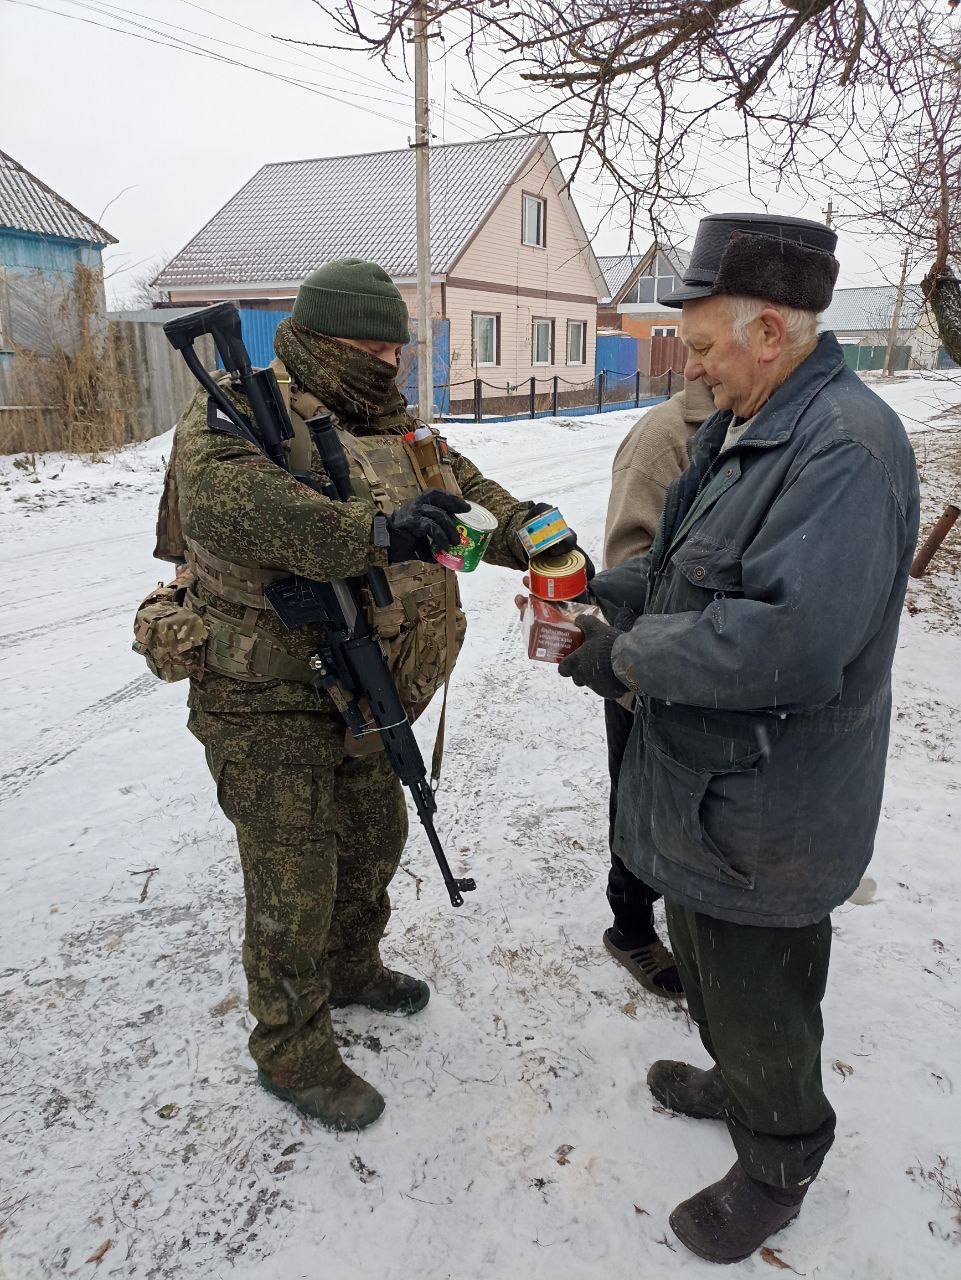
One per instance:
[(320, 829)]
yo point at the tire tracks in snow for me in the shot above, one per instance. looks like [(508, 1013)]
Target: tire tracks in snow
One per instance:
[(13, 639), (26, 766)]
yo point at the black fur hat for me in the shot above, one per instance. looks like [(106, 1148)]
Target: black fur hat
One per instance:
[(786, 260)]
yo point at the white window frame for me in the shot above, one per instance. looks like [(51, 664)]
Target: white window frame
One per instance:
[(540, 230), (582, 324), (475, 340), (538, 322), (663, 282), (664, 331)]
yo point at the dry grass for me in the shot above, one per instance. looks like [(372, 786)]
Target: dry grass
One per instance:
[(71, 379)]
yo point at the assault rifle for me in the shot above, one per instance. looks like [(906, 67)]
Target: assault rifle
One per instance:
[(350, 664)]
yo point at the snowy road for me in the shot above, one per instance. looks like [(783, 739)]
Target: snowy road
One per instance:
[(128, 1107)]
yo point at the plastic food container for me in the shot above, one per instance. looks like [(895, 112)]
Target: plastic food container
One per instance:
[(475, 527)]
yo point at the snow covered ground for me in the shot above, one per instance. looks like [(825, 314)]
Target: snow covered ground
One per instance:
[(520, 1139)]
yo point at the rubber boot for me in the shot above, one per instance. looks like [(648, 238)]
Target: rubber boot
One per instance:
[(388, 992), (688, 1090), (728, 1220), (651, 964), (342, 1101)]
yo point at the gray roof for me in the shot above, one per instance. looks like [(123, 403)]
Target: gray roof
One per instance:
[(296, 215), (27, 204), (871, 309), (616, 268), (680, 259), (619, 267)]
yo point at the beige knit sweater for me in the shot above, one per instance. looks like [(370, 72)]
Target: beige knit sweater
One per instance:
[(651, 457)]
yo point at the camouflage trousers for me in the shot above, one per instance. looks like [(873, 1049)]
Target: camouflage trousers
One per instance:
[(319, 843)]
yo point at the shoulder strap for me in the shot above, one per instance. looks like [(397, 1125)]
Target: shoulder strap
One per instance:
[(450, 612), (359, 455), (300, 406)]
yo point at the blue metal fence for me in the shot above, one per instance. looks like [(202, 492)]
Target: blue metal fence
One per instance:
[(616, 354), (258, 329)]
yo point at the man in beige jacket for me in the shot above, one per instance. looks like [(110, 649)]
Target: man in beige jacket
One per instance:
[(651, 457)]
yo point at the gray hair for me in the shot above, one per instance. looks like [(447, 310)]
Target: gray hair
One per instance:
[(802, 326)]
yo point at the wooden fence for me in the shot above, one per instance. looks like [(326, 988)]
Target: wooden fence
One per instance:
[(161, 384)]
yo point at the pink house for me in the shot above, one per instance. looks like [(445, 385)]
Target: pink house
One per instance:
[(513, 271)]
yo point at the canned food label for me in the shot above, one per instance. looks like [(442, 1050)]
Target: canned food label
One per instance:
[(472, 542), (543, 531)]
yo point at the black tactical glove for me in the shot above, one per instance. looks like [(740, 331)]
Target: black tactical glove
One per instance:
[(423, 525), (567, 543), (590, 665)]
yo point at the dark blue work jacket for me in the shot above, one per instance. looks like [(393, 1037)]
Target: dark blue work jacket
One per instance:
[(765, 618)]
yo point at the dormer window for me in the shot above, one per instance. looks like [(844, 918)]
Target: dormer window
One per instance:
[(533, 221), (658, 279)]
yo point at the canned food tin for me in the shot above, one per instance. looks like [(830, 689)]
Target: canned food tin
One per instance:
[(475, 528), (559, 577), (543, 532)]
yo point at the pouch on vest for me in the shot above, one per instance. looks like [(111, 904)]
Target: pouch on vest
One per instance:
[(168, 634)]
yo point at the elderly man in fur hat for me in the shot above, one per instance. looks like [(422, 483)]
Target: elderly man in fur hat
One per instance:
[(757, 636)]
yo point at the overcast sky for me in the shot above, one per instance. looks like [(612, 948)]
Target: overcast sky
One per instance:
[(152, 140)]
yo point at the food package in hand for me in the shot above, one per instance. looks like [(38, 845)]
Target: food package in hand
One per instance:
[(550, 629)]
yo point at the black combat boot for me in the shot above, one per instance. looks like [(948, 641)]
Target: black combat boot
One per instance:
[(342, 1101), (728, 1220), (648, 961), (688, 1090), (388, 992)]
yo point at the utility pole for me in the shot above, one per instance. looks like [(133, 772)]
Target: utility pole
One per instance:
[(829, 212), (425, 343), (896, 318)]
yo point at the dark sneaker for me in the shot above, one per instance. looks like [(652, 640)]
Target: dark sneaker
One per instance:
[(688, 1090), (651, 964), (342, 1102), (728, 1220), (388, 992)]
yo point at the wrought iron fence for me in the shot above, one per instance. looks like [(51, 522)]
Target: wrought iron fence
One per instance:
[(478, 400)]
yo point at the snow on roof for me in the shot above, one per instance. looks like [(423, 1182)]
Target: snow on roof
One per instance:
[(872, 307), (293, 216), (27, 204)]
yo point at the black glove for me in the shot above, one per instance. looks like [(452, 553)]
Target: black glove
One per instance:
[(567, 543), (423, 525), (590, 665)]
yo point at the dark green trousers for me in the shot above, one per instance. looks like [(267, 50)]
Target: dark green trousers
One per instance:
[(755, 994)]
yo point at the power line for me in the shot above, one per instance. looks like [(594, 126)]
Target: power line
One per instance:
[(331, 68), (197, 51), (118, 13)]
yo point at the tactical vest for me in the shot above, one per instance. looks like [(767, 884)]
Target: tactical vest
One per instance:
[(422, 631)]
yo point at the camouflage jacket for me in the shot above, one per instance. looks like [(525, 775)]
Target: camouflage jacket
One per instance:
[(235, 502)]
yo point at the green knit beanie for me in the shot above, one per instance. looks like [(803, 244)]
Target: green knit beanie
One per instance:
[(351, 298)]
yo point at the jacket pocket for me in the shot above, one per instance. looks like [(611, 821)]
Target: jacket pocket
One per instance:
[(715, 569), (708, 820)]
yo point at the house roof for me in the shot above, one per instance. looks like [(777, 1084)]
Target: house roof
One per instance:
[(27, 204), (871, 309), (620, 268), (293, 216), (617, 267)]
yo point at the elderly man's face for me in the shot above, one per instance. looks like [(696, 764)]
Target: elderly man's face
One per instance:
[(741, 377)]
